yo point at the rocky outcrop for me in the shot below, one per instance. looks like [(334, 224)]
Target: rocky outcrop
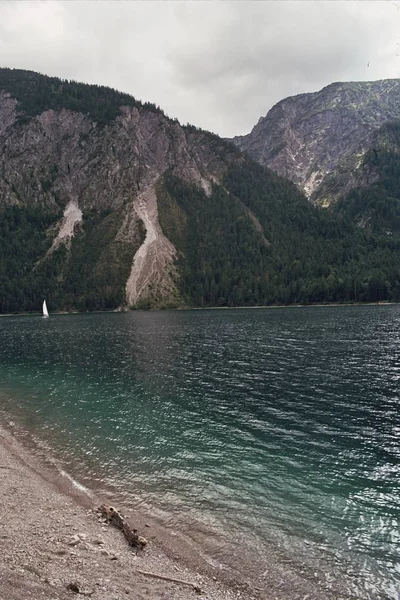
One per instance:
[(71, 218), (319, 140), (153, 272)]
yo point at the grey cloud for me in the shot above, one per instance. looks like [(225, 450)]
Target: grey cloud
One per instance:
[(219, 65)]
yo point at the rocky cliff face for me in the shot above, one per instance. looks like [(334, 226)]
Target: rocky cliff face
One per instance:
[(64, 159), (319, 140)]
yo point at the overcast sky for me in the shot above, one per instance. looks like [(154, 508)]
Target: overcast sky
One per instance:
[(218, 65)]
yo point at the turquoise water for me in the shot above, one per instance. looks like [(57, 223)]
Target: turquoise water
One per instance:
[(277, 429)]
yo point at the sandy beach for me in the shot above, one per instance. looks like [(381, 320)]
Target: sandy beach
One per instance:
[(52, 539)]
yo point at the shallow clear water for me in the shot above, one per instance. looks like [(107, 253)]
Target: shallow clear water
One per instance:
[(276, 426)]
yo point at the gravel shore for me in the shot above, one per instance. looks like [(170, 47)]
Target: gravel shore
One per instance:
[(52, 540)]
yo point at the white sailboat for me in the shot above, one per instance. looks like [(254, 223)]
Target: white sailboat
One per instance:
[(45, 311)]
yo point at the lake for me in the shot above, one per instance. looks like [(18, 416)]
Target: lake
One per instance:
[(271, 434)]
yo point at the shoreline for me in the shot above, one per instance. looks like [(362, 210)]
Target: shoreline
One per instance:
[(189, 308), (52, 538), (271, 306)]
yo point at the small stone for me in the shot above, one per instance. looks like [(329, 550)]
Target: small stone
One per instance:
[(98, 541), (74, 540), (74, 587)]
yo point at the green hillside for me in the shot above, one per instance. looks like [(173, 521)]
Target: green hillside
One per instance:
[(303, 254)]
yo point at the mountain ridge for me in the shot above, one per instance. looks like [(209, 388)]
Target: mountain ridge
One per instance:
[(311, 137)]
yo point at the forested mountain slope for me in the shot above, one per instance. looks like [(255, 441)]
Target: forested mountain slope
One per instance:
[(106, 202), (374, 204)]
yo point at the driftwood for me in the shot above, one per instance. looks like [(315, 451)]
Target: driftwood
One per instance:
[(115, 518), (173, 579)]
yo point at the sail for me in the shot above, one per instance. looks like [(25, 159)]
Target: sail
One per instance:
[(45, 311)]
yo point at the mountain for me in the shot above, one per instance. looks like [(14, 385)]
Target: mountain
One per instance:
[(319, 140), (84, 183), (107, 203)]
